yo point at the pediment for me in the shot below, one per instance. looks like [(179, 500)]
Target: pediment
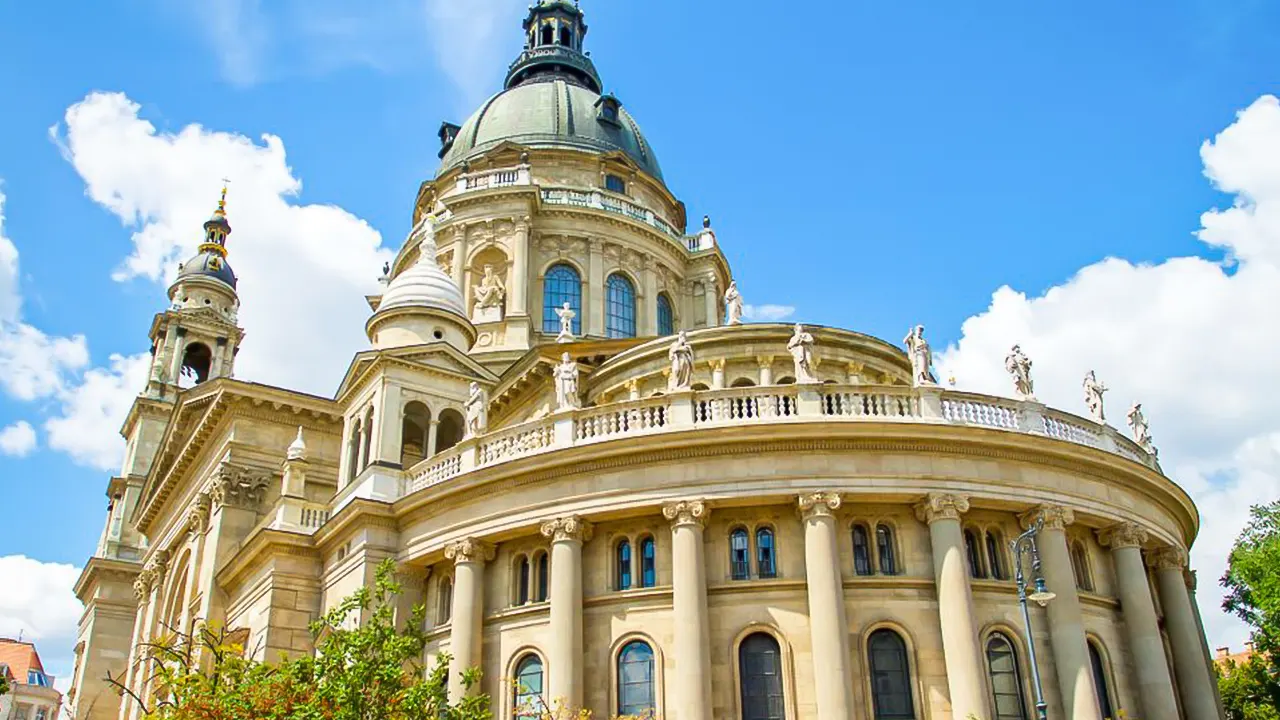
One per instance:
[(438, 357)]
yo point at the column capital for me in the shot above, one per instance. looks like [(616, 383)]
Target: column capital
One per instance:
[(819, 504), (239, 486), (1167, 558), (941, 506), (1123, 535), (198, 515), (469, 550), (1056, 517), (568, 528), (687, 512)]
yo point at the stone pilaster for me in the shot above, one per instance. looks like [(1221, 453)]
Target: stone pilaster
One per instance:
[(469, 557), (689, 605), (1066, 621), (1195, 682), (963, 657), (1155, 687), (567, 535), (828, 622)]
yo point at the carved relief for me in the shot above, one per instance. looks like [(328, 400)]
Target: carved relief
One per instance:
[(1056, 517), (1123, 535), (1167, 558), (819, 504), (239, 486), (941, 506), (687, 512), (469, 550), (198, 515), (567, 528)]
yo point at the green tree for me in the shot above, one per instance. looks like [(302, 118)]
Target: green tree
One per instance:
[(4, 686), (364, 668), (1251, 690)]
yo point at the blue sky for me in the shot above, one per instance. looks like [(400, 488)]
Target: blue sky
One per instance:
[(872, 165)]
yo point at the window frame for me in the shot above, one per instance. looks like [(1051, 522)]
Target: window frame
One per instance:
[(739, 569), (783, 686), (1019, 679), (1102, 677), (993, 542), (620, 307), (974, 554), (620, 683), (516, 694), (564, 290), (908, 668), (665, 313), (771, 572), (648, 561), (887, 549), (613, 182), (623, 571), (867, 568)]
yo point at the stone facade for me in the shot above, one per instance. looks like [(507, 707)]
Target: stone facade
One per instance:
[(743, 545)]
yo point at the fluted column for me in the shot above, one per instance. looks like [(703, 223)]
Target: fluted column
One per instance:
[(518, 304), (955, 604), (828, 624), (1155, 688), (1194, 678), (565, 672), (689, 608), (467, 613), (1066, 621)]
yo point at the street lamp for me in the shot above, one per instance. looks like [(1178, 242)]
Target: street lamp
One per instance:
[(1026, 543)]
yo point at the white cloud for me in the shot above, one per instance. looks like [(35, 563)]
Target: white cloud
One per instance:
[(474, 41), (10, 300), (38, 600), (18, 440), (1194, 340), (767, 313), (91, 414)]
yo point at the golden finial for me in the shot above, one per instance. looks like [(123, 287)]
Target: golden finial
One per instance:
[(222, 201)]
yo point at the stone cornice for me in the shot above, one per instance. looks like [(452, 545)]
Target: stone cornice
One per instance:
[(567, 529), (687, 512), (1056, 517), (100, 570), (1123, 535), (819, 504), (259, 548), (941, 506)]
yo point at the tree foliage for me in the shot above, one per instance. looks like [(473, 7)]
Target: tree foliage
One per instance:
[(1251, 690)]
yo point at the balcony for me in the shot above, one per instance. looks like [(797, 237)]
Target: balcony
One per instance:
[(607, 202)]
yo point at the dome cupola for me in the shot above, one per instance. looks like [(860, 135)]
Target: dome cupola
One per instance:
[(422, 304), (210, 260), (554, 32)]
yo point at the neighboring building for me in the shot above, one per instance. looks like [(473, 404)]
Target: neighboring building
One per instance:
[(1224, 657), (32, 695), (777, 530)]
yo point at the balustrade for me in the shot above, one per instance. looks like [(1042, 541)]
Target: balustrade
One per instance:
[(629, 418), (965, 409), (879, 403)]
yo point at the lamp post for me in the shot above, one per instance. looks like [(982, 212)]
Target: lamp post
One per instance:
[(1026, 543)]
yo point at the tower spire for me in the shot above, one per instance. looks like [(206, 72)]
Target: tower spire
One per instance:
[(216, 228)]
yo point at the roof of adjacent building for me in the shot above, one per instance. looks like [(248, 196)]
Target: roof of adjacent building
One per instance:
[(21, 658)]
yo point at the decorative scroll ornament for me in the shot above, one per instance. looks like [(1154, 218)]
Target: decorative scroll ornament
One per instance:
[(1056, 517), (687, 512), (1123, 535), (819, 504), (941, 506), (469, 550), (567, 528), (1167, 558), (239, 486)]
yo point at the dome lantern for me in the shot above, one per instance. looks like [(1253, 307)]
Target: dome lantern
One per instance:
[(554, 32)]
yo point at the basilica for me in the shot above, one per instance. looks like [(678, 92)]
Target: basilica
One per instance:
[(612, 494)]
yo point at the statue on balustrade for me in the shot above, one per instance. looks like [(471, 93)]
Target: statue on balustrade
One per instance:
[(681, 355), (921, 357), (490, 294), (801, 348), (1141, 430), (733, 304), (477, 411), (1019, 366), (566, 315), (566, 376), (1093, 390)]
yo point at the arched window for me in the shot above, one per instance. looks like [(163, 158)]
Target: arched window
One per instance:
[(994, 557), (1100, 680), (766, 554), (635, 679), (972, 553), (1080, 566), (620, 307), (648, 563), (561, 285), (743, 382), (353, 450), (624, 565), (444, 609), (543, 578), (548, 35), (413, 436), (666, 316), (368, 438), (1006, 679), (197, 359), (890, 676), (884, 545), (739, 555), (760, 672), (861, 551), (450, 430), (527, 703), (522, 580)]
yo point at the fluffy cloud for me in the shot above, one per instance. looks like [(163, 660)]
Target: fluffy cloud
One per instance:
[(473, 41), (18, 440), (1192, 338), (38, 601), (87, 426), (767, 313)]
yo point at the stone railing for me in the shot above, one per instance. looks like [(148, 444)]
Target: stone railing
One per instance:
[(600, 200), (297, 515), (777, 404), (496, 178)]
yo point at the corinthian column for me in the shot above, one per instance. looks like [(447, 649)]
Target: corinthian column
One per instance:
[(467, 614), (1155, 688), (1185, 638), (955, 604), (689, 607), (827, 619), (567, 535), (1066, 622)]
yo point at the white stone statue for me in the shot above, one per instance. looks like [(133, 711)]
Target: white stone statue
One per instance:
[(477, 411), (1019, 366), (681, 355), (566, 315), (1141, 430), (733, 304), (1093, 390), (921, 357), (566, 376), (490, 294), (801, 348)]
